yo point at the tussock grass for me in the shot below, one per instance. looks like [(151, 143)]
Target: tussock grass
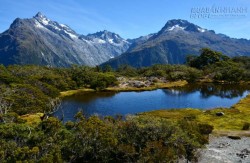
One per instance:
[(233, 119), (72, 92)]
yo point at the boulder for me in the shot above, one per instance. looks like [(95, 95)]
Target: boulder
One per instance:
[(234, 137), (220, 113)]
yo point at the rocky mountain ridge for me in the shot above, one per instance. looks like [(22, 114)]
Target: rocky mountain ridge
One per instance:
[(42, 41), (177, 39)]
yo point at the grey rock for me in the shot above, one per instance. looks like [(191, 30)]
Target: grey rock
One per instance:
[(234, 137), (219, 114), (225, 150)]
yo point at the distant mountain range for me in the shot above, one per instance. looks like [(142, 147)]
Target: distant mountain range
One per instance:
[(174, 41), (41, 41), (45, 42)]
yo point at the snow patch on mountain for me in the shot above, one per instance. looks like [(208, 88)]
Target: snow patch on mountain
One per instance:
[(55, 27), (45, 21), (111, 41), (202, 30), (176, 27), (100, 41), (42, 19), (73, 36), (38, 25), (63, 26)]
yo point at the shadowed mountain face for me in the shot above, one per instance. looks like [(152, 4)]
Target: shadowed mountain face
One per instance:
[(45, 42), (174, 41)]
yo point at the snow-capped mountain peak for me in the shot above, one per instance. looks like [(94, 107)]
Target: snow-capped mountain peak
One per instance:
[(47, 42), (178, 24), (43, 22), (42, 18), (176, 27), (107, 37)]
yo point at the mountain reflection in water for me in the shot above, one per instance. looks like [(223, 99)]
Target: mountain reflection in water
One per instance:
[(201, 96), (211, 89)]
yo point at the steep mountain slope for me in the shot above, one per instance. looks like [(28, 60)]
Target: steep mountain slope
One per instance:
[(44, 42), (174, 41)]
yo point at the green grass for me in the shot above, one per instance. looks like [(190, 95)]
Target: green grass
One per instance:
[(32, 119), (233, 120), (72, 92), (126, 89)]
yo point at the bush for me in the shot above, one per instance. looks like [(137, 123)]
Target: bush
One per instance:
[(205, 129), (126, 70), (137, 139), (246, 126), (226, 70), (207, 57), (102, 80)]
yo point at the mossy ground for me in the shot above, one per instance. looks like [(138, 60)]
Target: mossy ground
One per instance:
[(32, 119), (233, 119), (72, 92)]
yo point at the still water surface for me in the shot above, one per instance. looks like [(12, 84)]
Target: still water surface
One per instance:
[(205, 96)]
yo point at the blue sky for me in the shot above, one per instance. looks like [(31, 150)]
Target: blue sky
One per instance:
[(128, 18)]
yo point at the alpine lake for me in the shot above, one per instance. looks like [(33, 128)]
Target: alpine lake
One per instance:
[(199, 96)]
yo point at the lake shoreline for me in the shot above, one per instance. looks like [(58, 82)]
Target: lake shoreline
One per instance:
[(126, 89), (233, 118), (157, 85), (236, 115)]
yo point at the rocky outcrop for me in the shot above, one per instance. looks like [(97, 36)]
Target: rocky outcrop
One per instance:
[(226, 150)]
